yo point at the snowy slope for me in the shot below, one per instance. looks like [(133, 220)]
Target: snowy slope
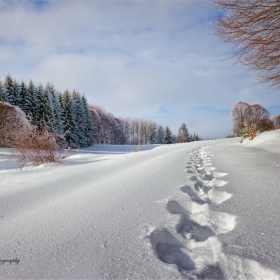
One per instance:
[(163, 213)]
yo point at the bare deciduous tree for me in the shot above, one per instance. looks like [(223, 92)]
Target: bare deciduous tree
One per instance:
[(257, 115), (254, 28), (245, 115), (239, 116)]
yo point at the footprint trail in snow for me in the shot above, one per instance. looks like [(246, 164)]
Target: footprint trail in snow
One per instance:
[(190, 241)]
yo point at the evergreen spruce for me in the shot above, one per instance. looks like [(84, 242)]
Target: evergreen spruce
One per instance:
[(183, 134), (167, 136), (89, 127), (160, 135), (47, 111), (151, 132), (80, 119), (17, 100), (38, 114), (9, 93), (22, 95), (2, 94), (56, 109), (31, 103), (68, 120)]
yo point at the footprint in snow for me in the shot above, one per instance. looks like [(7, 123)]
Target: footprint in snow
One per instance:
[(169, 249), (193, 230), (193, 195), (209, 272)]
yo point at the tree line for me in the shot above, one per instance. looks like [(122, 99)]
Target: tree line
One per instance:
[(65, 114), (82, 125), (112, 130)]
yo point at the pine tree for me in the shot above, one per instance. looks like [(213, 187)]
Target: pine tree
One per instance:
[(2, 94), (183, 134), (151, 132), (160, 135), (23, 97), (68, 120), (17, 99), (56, 120), (167, 136), (46, 110), (39, 107), (80, 119), (9, 91), (31, 103), (89, 126)]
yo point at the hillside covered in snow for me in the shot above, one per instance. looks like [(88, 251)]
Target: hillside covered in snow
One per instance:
[(199, 210)]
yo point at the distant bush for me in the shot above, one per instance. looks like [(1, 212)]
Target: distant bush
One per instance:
[(36, 146)]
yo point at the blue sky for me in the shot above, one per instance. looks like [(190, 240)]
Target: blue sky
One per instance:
[(156, 60)]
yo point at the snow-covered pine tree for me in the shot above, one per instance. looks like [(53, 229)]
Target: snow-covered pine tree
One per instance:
[(68, 120), (167, 136), (17, 97), (183, 134), (160, 135), (31, 103), (80, 119), (38, 109), (9, 90), (22, 96), (56, 109), (151, 132), (89, 126), (47, 110), (2, 94)]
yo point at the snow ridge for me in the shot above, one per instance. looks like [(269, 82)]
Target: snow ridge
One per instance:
[(189, 243)]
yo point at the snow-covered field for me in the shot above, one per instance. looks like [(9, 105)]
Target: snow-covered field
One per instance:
[(200, 210)]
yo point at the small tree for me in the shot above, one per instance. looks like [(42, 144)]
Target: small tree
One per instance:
[(167, 136), (183, 134), (160, 135)]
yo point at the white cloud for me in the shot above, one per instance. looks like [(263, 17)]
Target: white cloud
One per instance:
[(130, 57)]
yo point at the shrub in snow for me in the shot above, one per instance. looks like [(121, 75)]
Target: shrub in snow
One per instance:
[(36, 146)]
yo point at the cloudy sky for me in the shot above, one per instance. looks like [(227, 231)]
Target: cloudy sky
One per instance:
[(156, 60)]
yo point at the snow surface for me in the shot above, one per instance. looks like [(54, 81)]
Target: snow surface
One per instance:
[(200, 210)]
